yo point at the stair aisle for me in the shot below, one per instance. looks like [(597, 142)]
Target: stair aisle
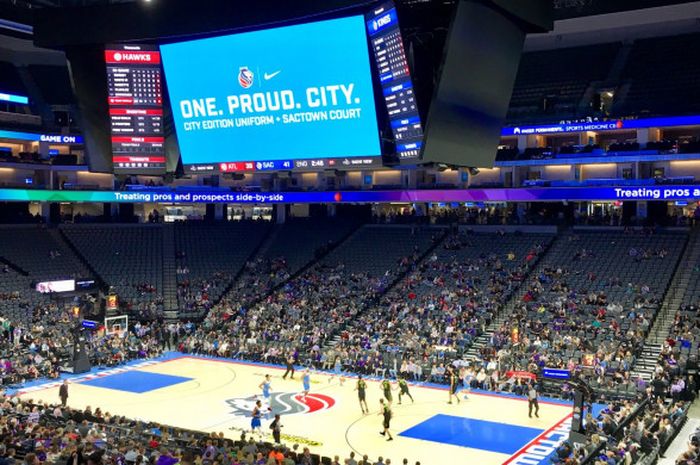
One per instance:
[(335, 339), (673, 299), (474, 351), (169, 272)]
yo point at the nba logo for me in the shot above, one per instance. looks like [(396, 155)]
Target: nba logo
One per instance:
[(245, 77)]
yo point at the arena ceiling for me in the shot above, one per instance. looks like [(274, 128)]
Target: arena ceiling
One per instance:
[(564, 8), (419, 17)]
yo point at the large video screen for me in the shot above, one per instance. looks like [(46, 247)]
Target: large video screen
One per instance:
[(47, 287), (291, 97)]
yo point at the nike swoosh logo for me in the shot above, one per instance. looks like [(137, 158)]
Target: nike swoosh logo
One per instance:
[(267, 77)]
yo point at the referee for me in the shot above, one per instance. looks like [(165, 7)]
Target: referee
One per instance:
[(290, 367), (63, 393), (532, 395)]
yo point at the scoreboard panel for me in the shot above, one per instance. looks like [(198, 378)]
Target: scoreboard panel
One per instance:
[(135, 97), (395, 78)]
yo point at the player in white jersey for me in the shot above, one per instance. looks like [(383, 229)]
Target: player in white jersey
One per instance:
[(266, 387), (306, 382), (338, 371)]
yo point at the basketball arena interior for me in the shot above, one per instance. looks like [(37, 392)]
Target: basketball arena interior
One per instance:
[(349, 232)]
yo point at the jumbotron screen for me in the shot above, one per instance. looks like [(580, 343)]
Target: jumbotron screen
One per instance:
[(295, 97)]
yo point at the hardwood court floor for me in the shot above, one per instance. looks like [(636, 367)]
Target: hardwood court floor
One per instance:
[(217, 395)]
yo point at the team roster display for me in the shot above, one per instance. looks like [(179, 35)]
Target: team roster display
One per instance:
[(395, 79), (135, 98)]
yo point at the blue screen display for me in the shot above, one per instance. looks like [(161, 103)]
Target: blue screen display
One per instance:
[(296, 92)]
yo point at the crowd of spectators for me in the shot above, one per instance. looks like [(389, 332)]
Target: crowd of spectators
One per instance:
[(300, 316), (561, 328), (415, 320), (624, 433), (569, 316), (259, 276), (426, 321), (143, 311), (432, 315), (38, 348), (536, 215), (628, 432), (48, 434), (194, 294)]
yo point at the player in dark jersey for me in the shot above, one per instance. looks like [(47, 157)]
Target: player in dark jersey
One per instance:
[(361, 389), (403, 389), (454, 385), (386, 413), (386, 389)]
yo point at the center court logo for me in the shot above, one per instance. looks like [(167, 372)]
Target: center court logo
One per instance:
[(245, 77), (283, 403)]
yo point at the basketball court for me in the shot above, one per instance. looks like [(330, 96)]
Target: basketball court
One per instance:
[(217, 395)]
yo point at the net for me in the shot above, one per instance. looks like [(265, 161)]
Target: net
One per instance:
[(118, 325)]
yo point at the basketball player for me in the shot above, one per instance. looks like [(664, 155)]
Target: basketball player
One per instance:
[(361, 389), (257, 414), (467, 377), (385, 411), (306, 382), (386, 389), (337, 371), (403, 389), (454, 385), (266, 387)]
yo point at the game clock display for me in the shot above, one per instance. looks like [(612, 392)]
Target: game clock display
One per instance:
[(135, 97)]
